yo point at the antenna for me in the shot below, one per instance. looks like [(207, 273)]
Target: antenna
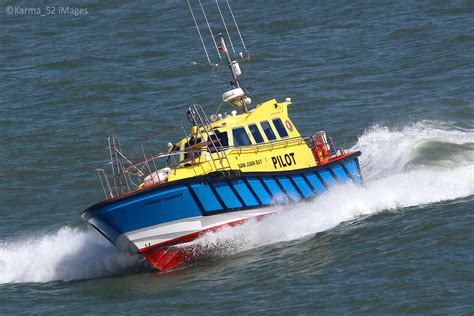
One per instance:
[(223, 58)]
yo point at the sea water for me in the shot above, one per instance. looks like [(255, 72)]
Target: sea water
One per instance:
[(394, 80)]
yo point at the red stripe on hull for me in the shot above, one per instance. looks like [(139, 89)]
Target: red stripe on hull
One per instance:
[(166, 257)]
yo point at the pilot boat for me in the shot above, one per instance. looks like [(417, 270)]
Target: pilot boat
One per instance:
[(226, 170)]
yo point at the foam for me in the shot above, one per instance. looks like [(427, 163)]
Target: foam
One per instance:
[(389, 185), (67, 254), (72, 253)]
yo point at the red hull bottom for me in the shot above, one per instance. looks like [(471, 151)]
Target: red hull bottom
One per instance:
[(169, 256)]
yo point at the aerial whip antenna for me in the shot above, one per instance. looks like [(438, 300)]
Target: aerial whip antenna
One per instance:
[(209, 27), (236, 26), (199, 32), (225, 26), (236, 96)]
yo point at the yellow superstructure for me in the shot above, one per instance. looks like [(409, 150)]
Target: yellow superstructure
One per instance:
[(263, 139)]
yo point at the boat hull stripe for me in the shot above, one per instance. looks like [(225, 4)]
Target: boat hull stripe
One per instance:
[(334, 175), (313, 189), (221, 196)]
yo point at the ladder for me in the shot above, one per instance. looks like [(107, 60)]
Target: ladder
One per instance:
[(200, 120)]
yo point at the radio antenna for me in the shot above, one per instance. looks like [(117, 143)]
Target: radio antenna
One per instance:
[(199, 32), (236, 96)]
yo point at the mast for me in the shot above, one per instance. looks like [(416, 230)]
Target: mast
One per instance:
[(225, 58), (223, 49)]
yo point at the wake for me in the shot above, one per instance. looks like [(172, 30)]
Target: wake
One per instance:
[(68, 254), (396, 176), (399, 168)]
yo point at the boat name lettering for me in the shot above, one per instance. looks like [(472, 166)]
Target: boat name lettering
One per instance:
[(166, 198), (284, 160), (250, 163)]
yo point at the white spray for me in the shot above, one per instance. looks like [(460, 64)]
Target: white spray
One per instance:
[(70, 253)]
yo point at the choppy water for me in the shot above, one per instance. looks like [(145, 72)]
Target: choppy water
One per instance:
[(394, 80)]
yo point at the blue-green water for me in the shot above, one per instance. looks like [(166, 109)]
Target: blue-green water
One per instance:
[(393, 79)]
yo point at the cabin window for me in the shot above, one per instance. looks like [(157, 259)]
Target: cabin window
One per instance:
[(280, 128), (192, 142), (256, 133), (223, 139), (240, 137), (267, 129)]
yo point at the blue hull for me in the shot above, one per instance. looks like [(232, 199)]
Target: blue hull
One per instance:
[(215, 194)]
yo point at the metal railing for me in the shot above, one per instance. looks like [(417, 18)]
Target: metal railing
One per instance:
[(123, 175), (327, 142)]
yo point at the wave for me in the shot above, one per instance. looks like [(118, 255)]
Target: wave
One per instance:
[(399, 172), (342, 203), (386, 151), (417, 164), (67, 254)]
